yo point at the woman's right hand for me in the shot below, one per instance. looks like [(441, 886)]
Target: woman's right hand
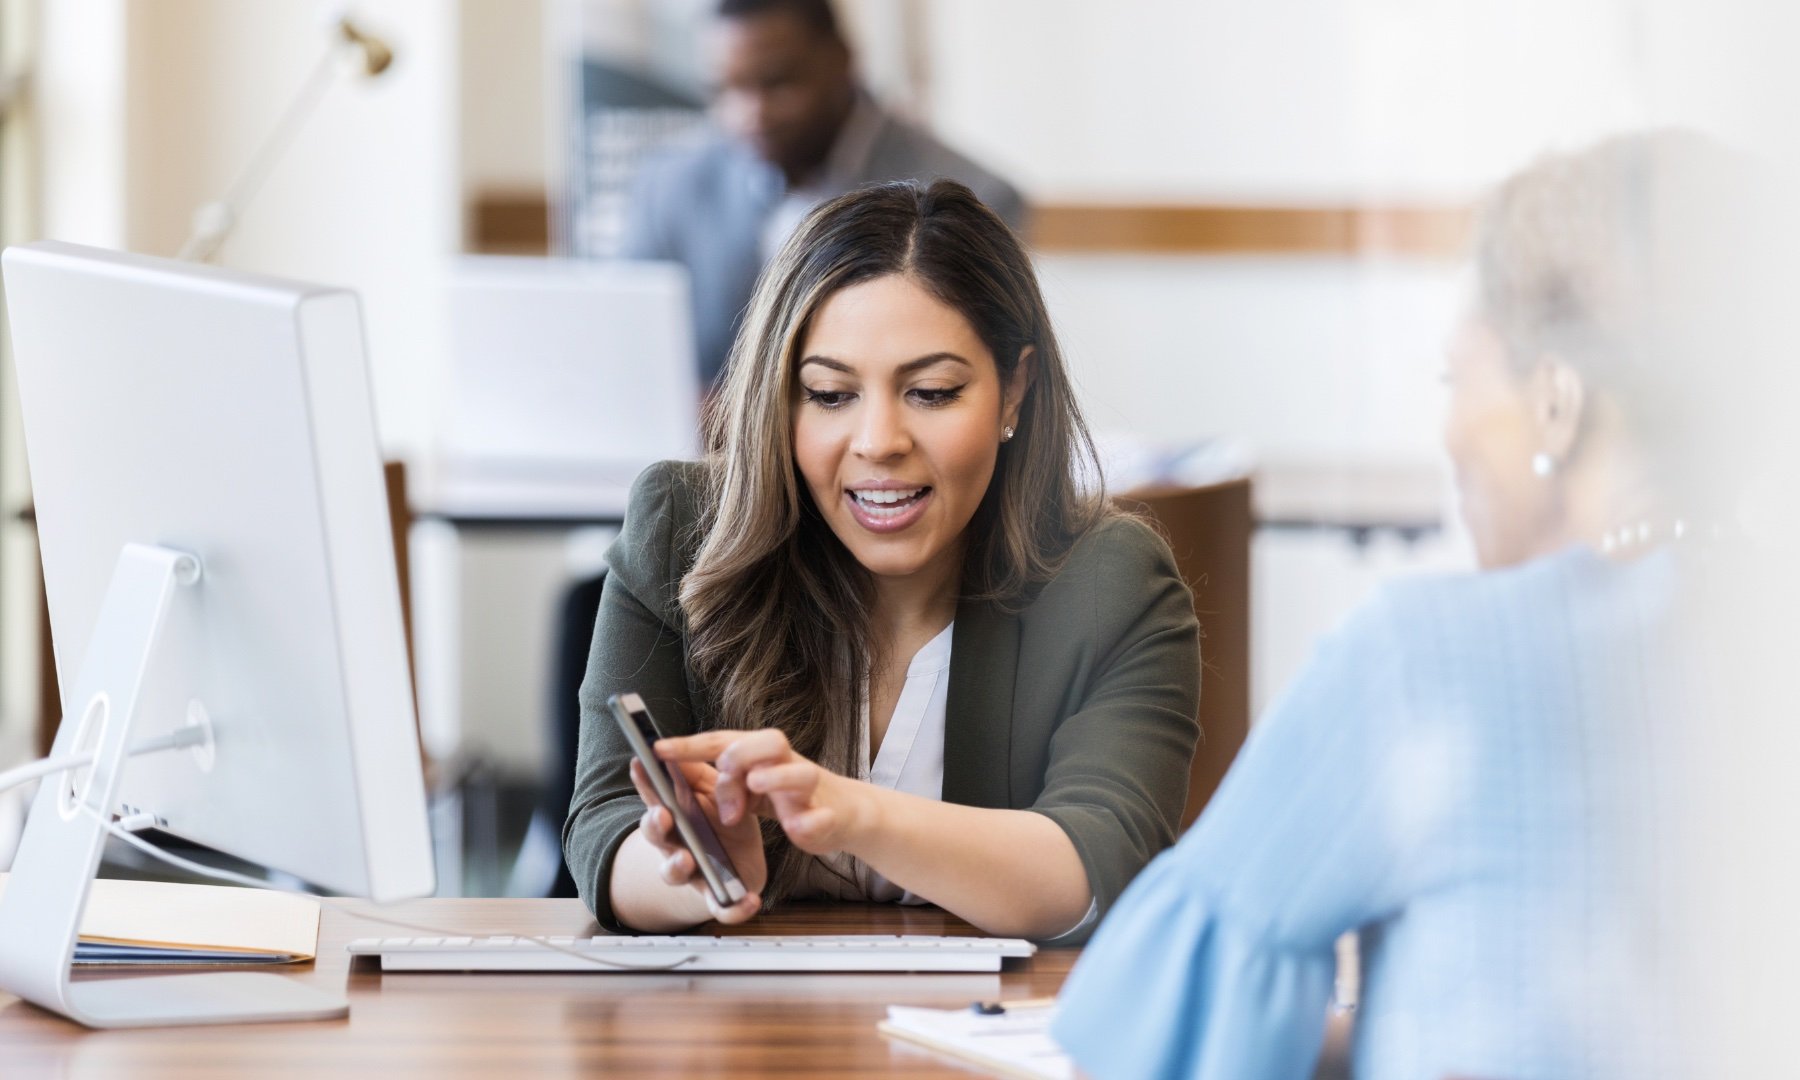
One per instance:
[(742, 842)]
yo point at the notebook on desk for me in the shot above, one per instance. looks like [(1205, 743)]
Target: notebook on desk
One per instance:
[(160, 924), (1012, 1043)]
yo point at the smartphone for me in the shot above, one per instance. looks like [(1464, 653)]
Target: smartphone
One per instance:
[(674, 793)]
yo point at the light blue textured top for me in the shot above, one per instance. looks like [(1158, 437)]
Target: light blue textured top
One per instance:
[(1465, 773)]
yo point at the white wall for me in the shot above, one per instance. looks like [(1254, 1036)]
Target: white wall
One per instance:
[(1303, 358), (1278, 100), (367, 195), (506, 86), (79, 110), (1330, 102)]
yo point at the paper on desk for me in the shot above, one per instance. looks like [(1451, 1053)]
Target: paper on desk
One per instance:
[(106, 954), (1013, 1044), (199, 923)]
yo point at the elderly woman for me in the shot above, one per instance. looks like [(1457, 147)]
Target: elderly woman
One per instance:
[(1467, 771), (904, 655)]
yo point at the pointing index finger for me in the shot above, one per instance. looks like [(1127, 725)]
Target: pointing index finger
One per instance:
[(706, 746)]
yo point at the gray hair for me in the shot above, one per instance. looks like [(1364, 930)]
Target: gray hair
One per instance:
[(1660, 266)]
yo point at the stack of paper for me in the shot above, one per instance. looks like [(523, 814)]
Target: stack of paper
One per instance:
[(1015, 1043), (158, 923)]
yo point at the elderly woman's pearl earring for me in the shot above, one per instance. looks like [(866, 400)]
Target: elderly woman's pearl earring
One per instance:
[(1542, 464), (1006, 433)]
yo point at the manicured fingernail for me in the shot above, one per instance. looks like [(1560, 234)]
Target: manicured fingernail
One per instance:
[(728, 811)]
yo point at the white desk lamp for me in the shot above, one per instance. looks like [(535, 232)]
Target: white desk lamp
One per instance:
[(214, 221)]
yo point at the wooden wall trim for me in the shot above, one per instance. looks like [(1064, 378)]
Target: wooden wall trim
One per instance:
[(1168, 229), (508, 223), (518, 222)]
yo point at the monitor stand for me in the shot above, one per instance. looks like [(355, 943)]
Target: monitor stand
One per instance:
[(40, 912)]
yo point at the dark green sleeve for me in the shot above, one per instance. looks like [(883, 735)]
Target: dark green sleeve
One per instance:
[(1118, 767), (637, 648)]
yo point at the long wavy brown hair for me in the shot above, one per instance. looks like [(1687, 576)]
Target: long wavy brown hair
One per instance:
[(777, 609)]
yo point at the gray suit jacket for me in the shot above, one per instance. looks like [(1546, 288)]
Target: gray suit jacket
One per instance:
[(1082, 707), (705, 206)]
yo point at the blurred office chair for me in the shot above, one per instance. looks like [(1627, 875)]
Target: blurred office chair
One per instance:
[(574, 638), (400, 519), (1209, 529)]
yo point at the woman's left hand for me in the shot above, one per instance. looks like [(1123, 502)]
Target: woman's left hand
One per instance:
[(760, 773)]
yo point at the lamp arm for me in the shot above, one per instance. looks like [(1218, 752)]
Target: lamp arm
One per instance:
[(214, 221)]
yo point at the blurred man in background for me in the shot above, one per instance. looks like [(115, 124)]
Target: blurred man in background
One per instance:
[(797, 129)]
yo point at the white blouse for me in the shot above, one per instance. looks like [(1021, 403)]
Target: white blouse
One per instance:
[(911, 759)]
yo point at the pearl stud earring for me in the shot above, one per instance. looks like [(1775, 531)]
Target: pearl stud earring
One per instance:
[(1542, 464)]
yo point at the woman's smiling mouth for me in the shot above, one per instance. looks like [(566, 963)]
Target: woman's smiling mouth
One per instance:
[(887, 509)]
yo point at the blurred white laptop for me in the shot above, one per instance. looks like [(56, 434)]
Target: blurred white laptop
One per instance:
[(566, 378)]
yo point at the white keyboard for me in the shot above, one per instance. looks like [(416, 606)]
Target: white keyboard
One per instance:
[(603, 955)]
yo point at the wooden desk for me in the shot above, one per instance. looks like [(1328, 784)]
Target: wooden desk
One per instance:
[(552, 1025)]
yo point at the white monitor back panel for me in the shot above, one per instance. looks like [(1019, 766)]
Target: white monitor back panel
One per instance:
[(229, 416)]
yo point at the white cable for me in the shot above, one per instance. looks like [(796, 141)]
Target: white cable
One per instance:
[(191, 735), (240, 879), (32, 770)]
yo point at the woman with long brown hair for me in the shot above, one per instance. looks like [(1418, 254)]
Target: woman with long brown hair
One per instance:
[(906, 652)]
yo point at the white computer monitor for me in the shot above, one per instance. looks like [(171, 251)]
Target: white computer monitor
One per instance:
[(217, 552), (566, 378)]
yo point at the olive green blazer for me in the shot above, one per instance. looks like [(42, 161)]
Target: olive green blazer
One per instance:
[(1082, 707)]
